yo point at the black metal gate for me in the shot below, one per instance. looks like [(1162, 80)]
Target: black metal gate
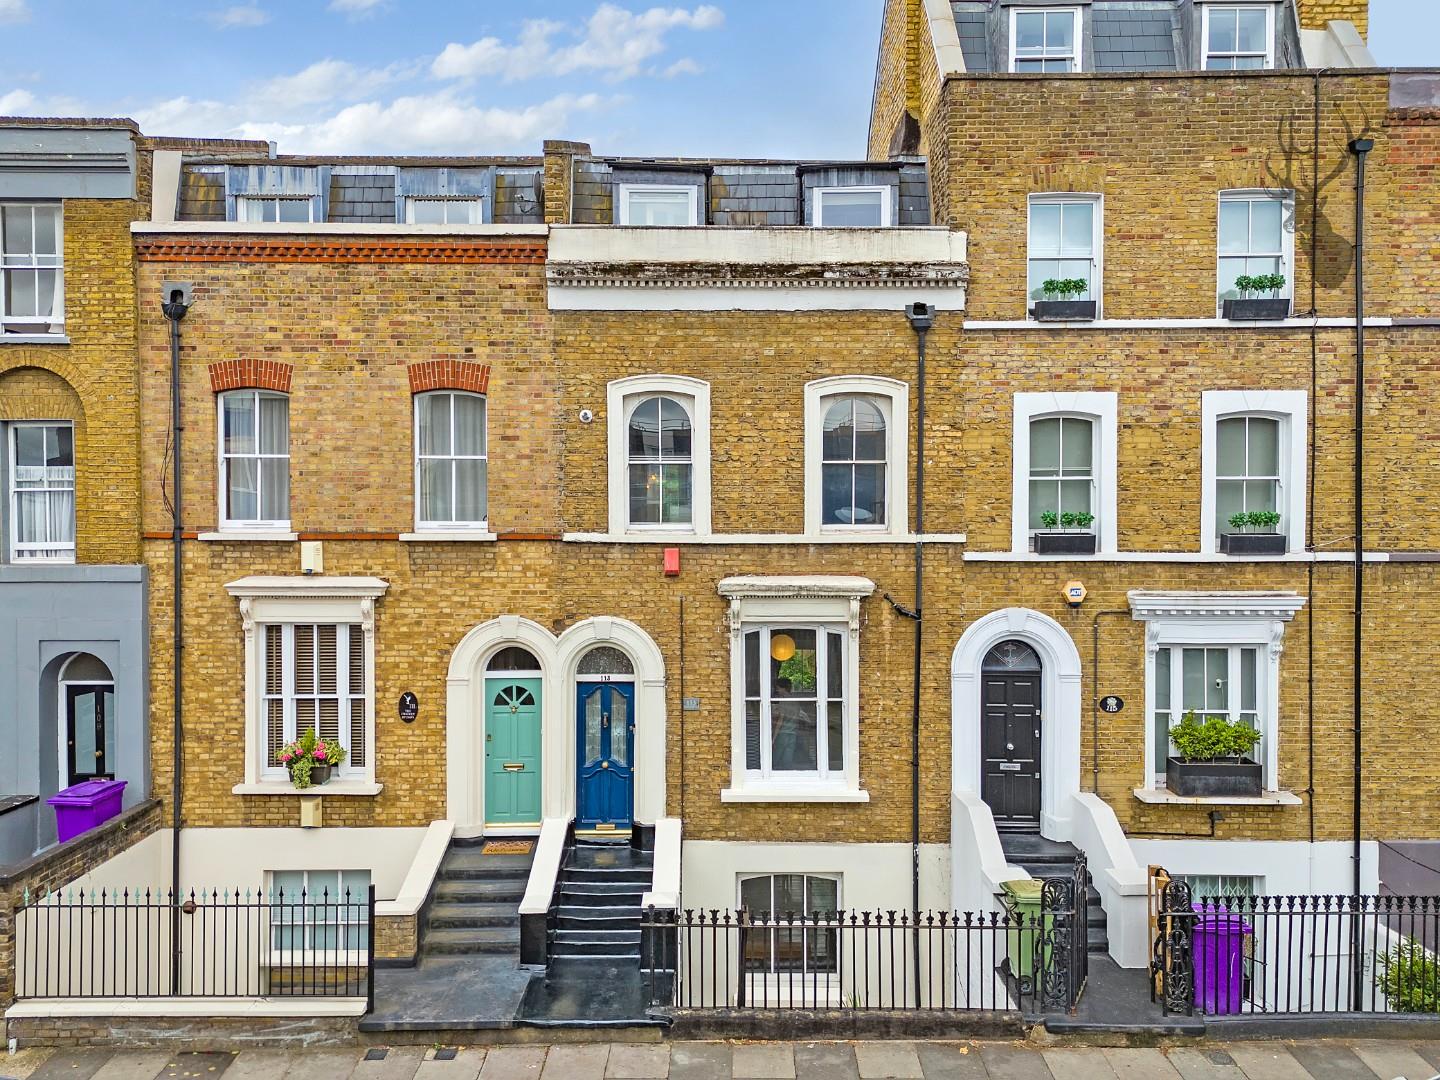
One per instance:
[(1065, 933)]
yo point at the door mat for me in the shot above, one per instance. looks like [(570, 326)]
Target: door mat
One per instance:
[(507, 847)]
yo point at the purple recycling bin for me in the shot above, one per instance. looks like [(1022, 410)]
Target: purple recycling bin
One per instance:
[(81, 807), (1219, 958)]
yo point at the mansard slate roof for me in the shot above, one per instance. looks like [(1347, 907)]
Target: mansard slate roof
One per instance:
[(372, 190), (1116, 35)]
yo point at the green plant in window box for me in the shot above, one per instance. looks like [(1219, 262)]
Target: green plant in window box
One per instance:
[(310, 759), (1254, 533), (1062, 301), (1252, 303), (1074, 538), (1211, 758), (1256, 521)]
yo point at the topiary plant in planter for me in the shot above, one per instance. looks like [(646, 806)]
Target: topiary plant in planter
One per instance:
[(1212, 759), (1248, 307), (1061, 303), (1076, 537), (1254, 533)]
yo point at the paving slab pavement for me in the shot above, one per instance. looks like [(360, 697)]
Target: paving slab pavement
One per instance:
[(1011, 1061), (825, 1061), (1134, 1063), (700, 1061), (582, 1061), (1330, 1061), (1267, 1061), (953, 1061), (763, 1061), (513, 1063), (320, 1064), (1193, 1063), (1393, 1061), (1081, 1063), (888, 1061), (398, 1063), (465, 1065), (638, 1061), (260, 1065), (134, 1065), (73, 1064)]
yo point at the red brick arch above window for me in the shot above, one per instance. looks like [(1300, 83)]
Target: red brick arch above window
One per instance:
[(250, 375), (449, 375)]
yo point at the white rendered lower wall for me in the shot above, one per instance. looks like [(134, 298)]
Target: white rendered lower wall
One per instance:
[(1280, 867)]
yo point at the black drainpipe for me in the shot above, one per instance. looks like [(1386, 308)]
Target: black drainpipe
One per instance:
[(922, 318), (175, 308), (1359, 147)]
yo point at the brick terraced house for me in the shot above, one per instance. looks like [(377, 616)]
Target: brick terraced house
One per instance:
[(849, 536)]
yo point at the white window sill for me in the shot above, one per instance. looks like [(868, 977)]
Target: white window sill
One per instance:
[(1163, 324), (794, 793), (227, 535), (34, 339), (1159, 796), (447, 536), (1175, 557), (334, 787)]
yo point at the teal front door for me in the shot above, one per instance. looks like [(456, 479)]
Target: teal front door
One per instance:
[(512, 751)]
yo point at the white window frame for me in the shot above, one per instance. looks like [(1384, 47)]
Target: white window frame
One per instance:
[(883, 190), (476, 203), (227, 523), (1101, 408), (244, 202), (1076, 59), (1216, 620), (624, 191), (14, 552), (1291, 408), (290, 697), (57, 320), (823, 601), (1097, 241), (893, 399), (1286, 254), (421, 525), (816, 989), (1205, 53), (266, 600), (822, 774), (621, 397), (332, 956)]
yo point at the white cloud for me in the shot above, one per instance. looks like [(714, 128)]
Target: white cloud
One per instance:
[(613, 41), (324, 80), (13, 11), (683, 66), (17, 103), (241, 16), (355, 8)]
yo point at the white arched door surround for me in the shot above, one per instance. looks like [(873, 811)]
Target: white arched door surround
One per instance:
[(559, 659), (1059, 708)]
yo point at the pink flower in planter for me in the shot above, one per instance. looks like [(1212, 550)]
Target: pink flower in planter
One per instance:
[(320, 752), (286, 757)]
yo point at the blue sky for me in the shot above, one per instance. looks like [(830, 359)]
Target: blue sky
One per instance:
[(785, 78)]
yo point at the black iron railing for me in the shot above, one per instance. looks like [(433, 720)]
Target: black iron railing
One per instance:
[(118, 943), (1296, 955), (868, 960)]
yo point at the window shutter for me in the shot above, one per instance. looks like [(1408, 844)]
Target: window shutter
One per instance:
[(274, 701), (357, 697), (327, 690)]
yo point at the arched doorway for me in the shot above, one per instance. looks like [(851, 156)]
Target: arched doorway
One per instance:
[(605, 740), (1010, 718), (87, 720), (514, 697)]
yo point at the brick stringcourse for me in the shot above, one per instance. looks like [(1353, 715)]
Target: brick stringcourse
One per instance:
[(250, 375), (449, 375), (348, 249)]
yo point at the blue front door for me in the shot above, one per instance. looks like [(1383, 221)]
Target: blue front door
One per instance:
[(605, 757)]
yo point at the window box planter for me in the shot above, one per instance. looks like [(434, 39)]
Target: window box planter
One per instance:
[(1065, 543), (1256, 310), (320, 774), (1221, 778), (1064, 310), (1254, 543)]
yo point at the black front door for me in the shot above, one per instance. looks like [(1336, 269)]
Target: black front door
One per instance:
[(89, 732), (1010, 748)]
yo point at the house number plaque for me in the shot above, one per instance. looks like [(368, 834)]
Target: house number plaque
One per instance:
[(1111, 703), (409, 707)]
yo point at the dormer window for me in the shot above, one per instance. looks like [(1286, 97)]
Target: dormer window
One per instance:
[(655, 204), (852, 207), (1045, 39), (444, 212), (1238, 37), (275, 208)]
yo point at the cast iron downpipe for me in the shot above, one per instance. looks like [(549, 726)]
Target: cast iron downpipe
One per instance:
[(922, 318), (1359, 147), (175, 309)]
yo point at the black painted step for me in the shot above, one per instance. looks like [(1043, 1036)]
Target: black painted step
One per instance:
[(459, 915), (621, 889), (471, 940), (477, 891)]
